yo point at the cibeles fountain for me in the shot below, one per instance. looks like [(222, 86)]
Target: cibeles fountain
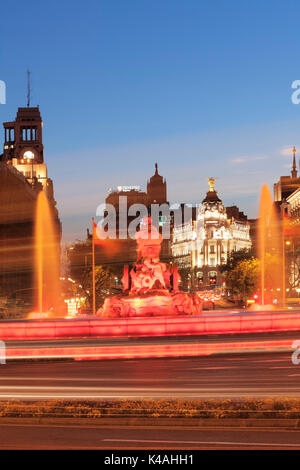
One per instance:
[(151, 303), (150, 288)]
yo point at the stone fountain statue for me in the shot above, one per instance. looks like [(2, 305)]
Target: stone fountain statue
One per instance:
[(151, 287)]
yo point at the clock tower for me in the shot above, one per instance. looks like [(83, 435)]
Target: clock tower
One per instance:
[(23, 137), (24, 150)]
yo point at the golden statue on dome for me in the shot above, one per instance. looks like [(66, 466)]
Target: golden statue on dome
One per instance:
[(211, 183)]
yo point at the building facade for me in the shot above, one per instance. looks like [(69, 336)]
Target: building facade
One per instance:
[(156, 193), (24, 150), (204, 243), (291, 208), (286, 185), (23, 174), (114, 253)]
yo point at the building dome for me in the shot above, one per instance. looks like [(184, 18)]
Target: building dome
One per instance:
[(212, 206), (211, 198), (211, 195)]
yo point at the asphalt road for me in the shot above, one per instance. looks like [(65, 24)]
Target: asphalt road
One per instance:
[(222, 376), (234, 376), (95, 437)]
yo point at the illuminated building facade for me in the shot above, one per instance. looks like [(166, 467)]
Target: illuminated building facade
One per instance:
[(287, 203), (203, 244), (293, 202), (291, 207), (24, 149), (23, 174), (287, 184)]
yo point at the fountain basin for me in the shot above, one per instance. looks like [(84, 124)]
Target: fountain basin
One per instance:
[(210, 323)]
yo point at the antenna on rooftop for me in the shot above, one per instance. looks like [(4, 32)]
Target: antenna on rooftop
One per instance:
[(28, 88)]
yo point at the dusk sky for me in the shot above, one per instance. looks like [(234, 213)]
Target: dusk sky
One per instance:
[(201, 87)]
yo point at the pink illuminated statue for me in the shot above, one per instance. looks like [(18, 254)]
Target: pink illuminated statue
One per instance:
[(151, 287), (151, 273)]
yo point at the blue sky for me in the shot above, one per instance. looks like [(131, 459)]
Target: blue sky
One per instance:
[(201, 87)]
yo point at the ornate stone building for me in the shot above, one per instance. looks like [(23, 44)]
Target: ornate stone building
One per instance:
[(203, 244)]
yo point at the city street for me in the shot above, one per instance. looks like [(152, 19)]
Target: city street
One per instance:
[(222, 376), (116, 437)]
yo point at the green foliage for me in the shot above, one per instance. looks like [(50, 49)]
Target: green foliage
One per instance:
[(242, 280), (235, 257), (241, 273), (186, 276)]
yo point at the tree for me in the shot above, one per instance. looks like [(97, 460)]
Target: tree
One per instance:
[(185, 278), (242, 280), (235, 257), (105, 285)]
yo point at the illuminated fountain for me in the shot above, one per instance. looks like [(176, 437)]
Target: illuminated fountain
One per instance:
[(270, 252), (151, 287), (47, 262)]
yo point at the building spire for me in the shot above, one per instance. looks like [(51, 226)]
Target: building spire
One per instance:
[(156, 168), (294, 169)]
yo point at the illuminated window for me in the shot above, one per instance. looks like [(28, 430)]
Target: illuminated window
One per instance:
[(28, 155), (28, 133), (212, 275)]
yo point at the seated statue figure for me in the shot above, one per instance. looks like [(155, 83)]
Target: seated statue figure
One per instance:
[(149, 274), (151, 287)]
